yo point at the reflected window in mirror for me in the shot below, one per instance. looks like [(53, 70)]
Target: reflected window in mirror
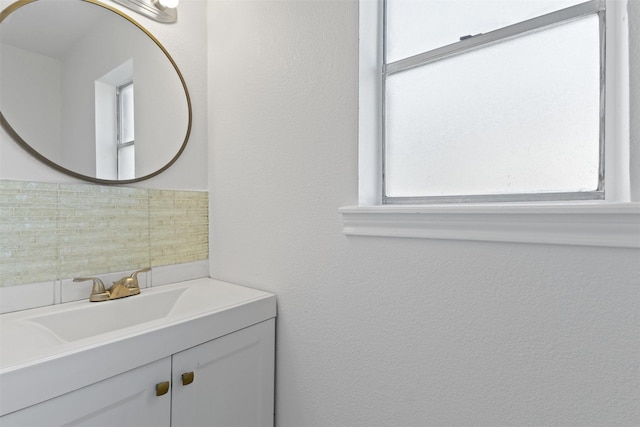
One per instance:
[(114, 128), (126, 132)]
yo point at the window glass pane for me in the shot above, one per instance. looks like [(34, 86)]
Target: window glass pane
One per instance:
[(126, 111), (126, 162), (520, 116), (415, 26)]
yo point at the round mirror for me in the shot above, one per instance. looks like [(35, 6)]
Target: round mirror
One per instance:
[(89, 91)]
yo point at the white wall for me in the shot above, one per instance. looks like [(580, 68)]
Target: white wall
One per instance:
[(31, 86), (186, 42), (383, 331)]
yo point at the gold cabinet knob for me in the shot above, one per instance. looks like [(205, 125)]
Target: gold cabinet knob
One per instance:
[(162, 388), (187, 378)]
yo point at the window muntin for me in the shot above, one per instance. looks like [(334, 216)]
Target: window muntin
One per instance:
[(416, 26), (514, 114)]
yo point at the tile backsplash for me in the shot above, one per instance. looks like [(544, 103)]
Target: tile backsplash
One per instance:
[(54, 231)]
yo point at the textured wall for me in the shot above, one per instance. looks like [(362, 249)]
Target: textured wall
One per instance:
[(383, 331)]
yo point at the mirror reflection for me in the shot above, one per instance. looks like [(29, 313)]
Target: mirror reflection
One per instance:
[(90, 92)]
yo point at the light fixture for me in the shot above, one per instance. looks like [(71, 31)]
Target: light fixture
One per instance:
[(159, 10), (166, 4)]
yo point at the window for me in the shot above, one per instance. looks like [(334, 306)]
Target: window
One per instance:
[(114, 123), (443, 145), (125, 123), (490, 112)]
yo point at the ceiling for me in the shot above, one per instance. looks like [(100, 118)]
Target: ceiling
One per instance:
[(51, 27)]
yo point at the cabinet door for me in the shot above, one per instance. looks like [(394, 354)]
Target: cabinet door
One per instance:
[(126, 400), (233, 381)]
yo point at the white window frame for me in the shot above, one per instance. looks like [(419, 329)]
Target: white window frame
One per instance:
[(613, 222)]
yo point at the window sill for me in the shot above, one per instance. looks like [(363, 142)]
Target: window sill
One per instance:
[(585, 224)]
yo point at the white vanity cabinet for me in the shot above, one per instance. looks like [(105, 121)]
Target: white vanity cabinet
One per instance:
[(225, 382), (216, 365), (233, 381), (126, 400)]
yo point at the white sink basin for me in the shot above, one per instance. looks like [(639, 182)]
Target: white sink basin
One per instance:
[(88, 320)]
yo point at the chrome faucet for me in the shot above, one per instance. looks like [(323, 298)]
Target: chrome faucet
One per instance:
[(125, 287)]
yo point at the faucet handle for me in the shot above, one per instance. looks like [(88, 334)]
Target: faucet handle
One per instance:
[(98, 285), (98, 293), (142, 270), (133, 282)]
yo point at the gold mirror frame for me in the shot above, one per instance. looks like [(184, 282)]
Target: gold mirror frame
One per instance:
[(17, 138)]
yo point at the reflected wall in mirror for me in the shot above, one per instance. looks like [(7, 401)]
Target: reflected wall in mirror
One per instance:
[(89, 91)]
